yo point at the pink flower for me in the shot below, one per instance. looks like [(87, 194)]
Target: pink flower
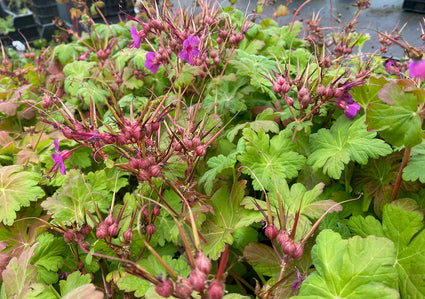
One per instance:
[(346, 102), (189, 49), (135, 36), (417, 69), (58, 158), (152, 63)]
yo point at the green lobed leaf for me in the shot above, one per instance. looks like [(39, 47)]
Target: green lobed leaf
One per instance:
[(397, 119), (354, 268), (368, 92), (402, 223), (414, 169), (270, 159), (263, 258), (132, 283), (79, 193), (346, 141), (217, 164), (228, 216), (73, 281), (228, 94), (13, 196), (48, 257)]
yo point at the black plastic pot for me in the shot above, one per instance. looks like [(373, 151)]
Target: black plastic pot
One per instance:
[(414, 6), (46, 12), (24, 24)]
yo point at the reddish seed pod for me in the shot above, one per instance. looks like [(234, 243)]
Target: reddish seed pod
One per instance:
[(299, 251), (215, 289), (289, 101), (113, 230), (196, 141), (271, 231), (69, 236), (176, 145), (183, 288), (150, 229), (128, 235), (197, 278), (216, 60), (286, 87), (203, 263), (165, 288), (145, 213), (280, 80)]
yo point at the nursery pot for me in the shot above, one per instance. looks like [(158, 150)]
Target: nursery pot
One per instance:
[(45, 10)]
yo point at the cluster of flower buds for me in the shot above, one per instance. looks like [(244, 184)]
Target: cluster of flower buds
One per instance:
[(362, 4), (78, 236), (289, 247), (387, 40), (230, 35), (314, 32), (197, 281)]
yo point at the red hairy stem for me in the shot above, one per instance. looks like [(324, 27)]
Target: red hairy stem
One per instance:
[(397, 184)]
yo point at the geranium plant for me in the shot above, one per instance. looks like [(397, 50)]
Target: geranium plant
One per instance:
[(203, 153)]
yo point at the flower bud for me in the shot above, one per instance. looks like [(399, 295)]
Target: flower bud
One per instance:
[(165, 288), (277, 88), (282, 237), (109, 220), (197, 278), (69, 236), (86, 229), (113, 230), (288, 247), (271, 231), (150, 229), (102, 231), (156, 210), (215, 289), (298, 252), (183, 288), (128, 235), (200, 151), (134, 163), (280, 80), (155, 171), (203, 263)]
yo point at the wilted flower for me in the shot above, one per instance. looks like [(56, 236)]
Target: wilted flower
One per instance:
[(58, 158), (151, 63), (417, 69), (135, 36), (299, 279), (189, 49)]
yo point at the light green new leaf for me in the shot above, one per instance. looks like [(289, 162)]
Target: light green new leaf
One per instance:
[(187, 75), (12, 194), (68, 52), (264, 155), (365, 226), (416, 165), (346, 141), (355, 268), (397, 120)]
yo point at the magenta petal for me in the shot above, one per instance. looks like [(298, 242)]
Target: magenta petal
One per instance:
[(62, 167), (184, 55), (417, 69), (388, 65), (56, 143), (135, 36), (351, 110)]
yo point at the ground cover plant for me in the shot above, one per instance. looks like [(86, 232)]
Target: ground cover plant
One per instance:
[(205, 153)]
